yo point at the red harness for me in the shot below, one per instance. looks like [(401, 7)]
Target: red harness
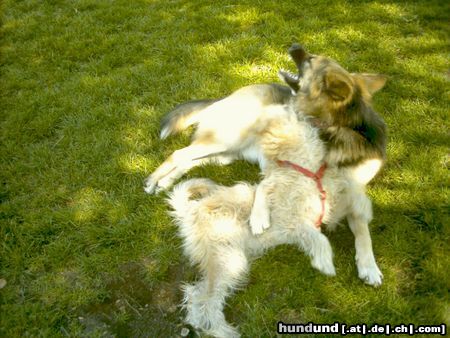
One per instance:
[(317, 177)]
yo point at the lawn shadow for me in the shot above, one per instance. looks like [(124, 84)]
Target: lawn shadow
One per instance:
[(133, 308)]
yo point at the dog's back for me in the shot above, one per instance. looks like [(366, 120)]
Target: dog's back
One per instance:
[(241, 108), (294, 197)]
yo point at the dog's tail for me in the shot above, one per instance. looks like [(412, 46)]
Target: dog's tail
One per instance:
[(186, 194), (182, 116), (186, 200)]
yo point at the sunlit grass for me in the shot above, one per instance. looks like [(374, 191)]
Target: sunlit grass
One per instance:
[(83, 86)]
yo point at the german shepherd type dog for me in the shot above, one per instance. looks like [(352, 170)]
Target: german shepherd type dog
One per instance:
[(227, 129), (318, 148)]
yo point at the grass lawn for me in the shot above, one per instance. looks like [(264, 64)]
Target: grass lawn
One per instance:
[(83, 86)]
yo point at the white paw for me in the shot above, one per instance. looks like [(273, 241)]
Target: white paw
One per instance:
[(370, 274), (153, 186), (259, 221), (224, 330), (324, 265), (322, 254), (150, 185), (205, 313)]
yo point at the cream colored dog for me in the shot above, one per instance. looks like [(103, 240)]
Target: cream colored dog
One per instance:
[(338, 102), (216, 222)]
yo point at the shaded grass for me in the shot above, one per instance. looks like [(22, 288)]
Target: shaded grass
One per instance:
[(83, 86)]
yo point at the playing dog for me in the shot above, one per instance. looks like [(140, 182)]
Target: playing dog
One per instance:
[(227, 129)]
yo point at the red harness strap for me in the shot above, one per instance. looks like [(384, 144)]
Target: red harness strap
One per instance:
[(317, 177)]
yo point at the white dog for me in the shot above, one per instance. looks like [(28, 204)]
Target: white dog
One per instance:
[(214, 220)]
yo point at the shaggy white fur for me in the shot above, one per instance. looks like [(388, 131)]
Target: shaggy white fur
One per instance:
[(214, 221)]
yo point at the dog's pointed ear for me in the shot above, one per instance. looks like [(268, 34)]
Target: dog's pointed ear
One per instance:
[(338, 85), (290, 80), (373, 82)]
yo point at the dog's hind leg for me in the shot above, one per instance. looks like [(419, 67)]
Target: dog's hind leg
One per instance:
[(317, 247), (205, 300), (358, 220), (212, 221), (180, 170), (178, 163)]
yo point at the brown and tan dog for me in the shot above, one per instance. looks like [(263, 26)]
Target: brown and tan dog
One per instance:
[(339, 103)]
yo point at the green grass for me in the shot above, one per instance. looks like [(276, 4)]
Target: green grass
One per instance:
[(83, 86)]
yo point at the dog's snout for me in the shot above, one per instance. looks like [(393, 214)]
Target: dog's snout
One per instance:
[(296, 46), (298, 54)]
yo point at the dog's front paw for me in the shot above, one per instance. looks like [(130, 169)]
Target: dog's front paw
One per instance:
[(154, 185), (151, 185), (371, 275), (259, 221)]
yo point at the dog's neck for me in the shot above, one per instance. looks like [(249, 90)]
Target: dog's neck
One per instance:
[(305, 151)]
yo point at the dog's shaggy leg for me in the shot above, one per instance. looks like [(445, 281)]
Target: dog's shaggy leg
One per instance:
[(213, 241), (316, 245), (260, 215), (204, 301), (205, 312), (358, 221)]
